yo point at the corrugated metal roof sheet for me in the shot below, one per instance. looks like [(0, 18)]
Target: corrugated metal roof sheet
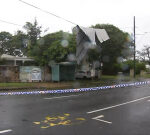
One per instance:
[(86, 39)]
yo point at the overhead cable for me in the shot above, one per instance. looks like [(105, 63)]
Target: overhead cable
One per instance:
[(47, 12), (10, 23)]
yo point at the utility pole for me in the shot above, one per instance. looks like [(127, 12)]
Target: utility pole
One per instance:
[(134, 46)]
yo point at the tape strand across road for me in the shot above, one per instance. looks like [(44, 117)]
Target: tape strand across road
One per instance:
[(74, 90)]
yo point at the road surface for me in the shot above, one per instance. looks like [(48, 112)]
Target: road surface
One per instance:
[(119, 111)]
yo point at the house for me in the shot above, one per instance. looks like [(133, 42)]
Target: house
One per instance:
[(88, 38), (14, 70), (14, 60)]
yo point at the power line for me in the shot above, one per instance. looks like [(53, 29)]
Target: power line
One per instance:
[(47, 12), (10, 23), (142, 36)]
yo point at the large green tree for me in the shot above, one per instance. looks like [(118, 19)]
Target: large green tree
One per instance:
[(113, 50), (5, 43), (15, 45), (55, 47), (20, 43), (33, 33)]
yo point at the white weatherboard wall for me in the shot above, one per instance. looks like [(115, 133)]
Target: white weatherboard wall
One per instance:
[(26, 73)]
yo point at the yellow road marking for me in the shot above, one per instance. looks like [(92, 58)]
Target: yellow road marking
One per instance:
[(45, 127), (80, 118), (52, 124), (58, 120), (51, 118), (45, 121), (67, 114), (68, 122), (61, 118), (37, 123)]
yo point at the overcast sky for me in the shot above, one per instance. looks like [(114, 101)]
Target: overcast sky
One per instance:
[(82, 12)]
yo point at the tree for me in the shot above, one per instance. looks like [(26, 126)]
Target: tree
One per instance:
[(93, 55), (5, 43), (20, 41), (113, 50), (129, 64), (146, 51), (144, 55), (141, 55), (54, 47), (33, 33), (13, 45)]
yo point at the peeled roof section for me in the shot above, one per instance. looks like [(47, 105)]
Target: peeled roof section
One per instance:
[(100, 33), (86, 38)]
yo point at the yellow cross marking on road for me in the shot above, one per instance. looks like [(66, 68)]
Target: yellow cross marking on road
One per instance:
[(51, 118), (62, 120), (52, 124), (67, 122)]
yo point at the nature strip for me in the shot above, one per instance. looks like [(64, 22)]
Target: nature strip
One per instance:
[(20, 88), (75, 90)]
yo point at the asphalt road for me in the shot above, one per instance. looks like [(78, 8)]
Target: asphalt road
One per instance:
[(120, 111)]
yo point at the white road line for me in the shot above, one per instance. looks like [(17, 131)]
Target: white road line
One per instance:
[(148, 100), (104, 121), (62, 97), (5, 131), (101, 116), (110, 107)]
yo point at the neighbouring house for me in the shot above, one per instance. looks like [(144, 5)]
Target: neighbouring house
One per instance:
[(9, 68), (9, 73), (13, 70), (14, 60), (34, 73)]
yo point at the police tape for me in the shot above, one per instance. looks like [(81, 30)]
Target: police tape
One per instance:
[(74, 90)]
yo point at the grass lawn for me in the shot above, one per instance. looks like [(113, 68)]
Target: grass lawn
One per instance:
[(147, 76), (19, 84)]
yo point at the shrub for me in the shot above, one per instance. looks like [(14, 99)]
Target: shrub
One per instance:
[(127, 65)]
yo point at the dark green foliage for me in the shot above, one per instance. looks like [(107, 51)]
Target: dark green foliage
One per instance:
[(5, 43), (93, 55), (30, 63), (33, 32), (13, 45), (20, 42), (111, 69), (116, 47), (2, 61), (50, 48), (130, 64)]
